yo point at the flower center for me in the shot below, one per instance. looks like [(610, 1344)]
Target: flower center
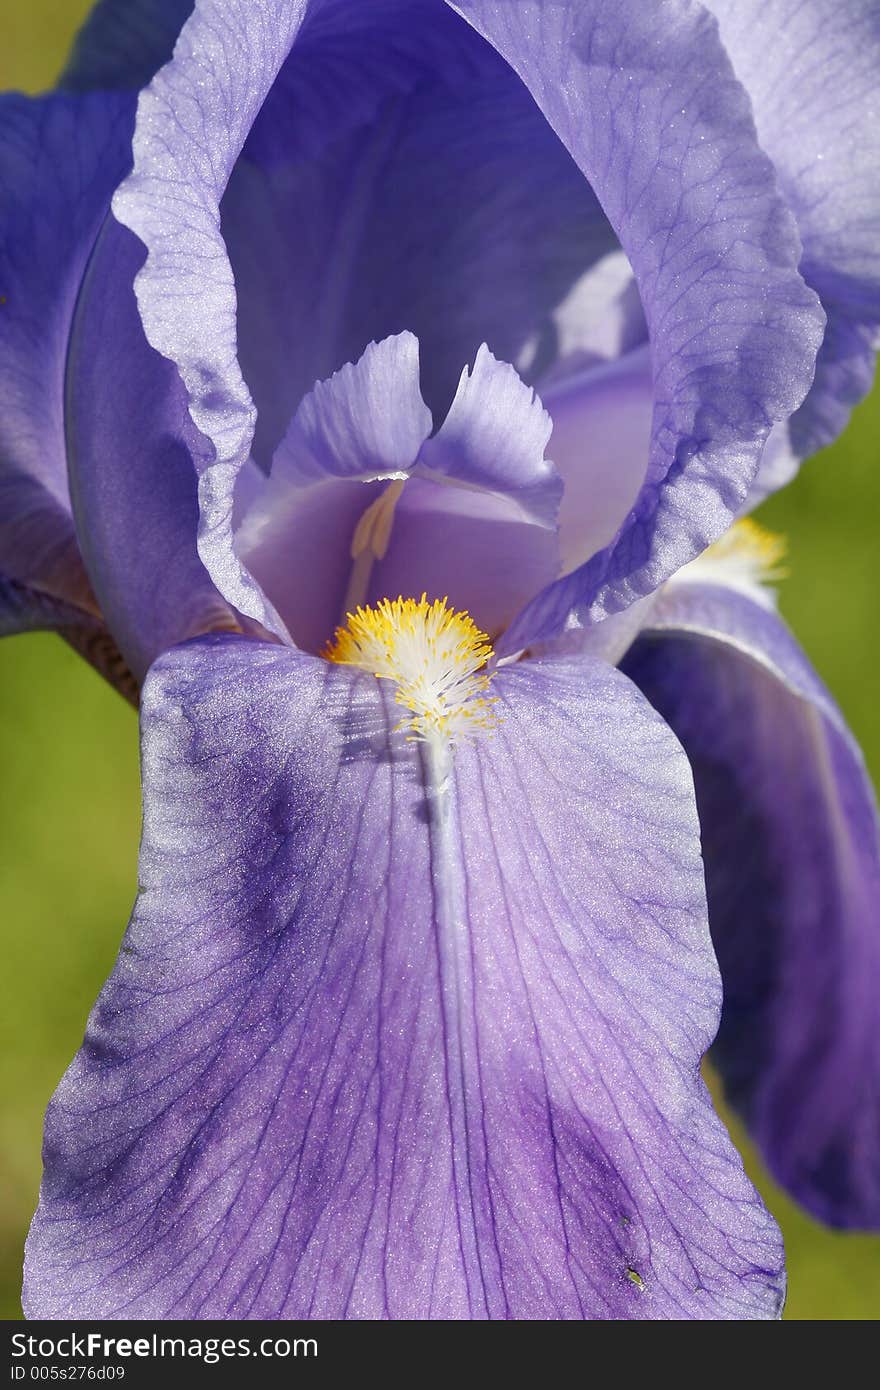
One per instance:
[(435, 656)]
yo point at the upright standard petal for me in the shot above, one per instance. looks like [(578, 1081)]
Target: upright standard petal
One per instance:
[(645, 99), (131, 452), (600, 444), (790, 842), (390, 1040), (350, 436), (60, 159), (811, 71), (494, 437), (361, 503), (478, 520), (192, 122), (435, 198)]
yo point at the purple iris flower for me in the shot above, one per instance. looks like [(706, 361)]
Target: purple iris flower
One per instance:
[(516, 304)]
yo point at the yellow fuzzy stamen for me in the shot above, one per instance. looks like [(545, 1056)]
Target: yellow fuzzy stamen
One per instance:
[(751, 547), (747, 557), (435, 656)]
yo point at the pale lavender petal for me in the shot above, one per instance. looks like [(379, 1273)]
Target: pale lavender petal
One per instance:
[(600, 445), (494, 437), (600, 319), (368, 422), (434, 198), (475, 548), (405, 207), (477, 522), (192, 122), (790, 841), (811, 69), (473, 513), (779, 464), (374, 1049), (653, 115), (302, 557)]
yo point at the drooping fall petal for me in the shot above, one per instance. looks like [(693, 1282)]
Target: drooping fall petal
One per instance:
[(388, 1041), (790, 840)]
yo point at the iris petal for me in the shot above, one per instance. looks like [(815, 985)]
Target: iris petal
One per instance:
[(361, 504), (434, 198), (647, 103), (59, 161), (193, 122), (130, 445), (382, 1043), (790, 841), (123, 43), (368, 422), (23, 609), (811, 72), (600, 445)]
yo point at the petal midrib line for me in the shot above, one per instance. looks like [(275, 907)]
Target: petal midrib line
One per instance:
[(485, 1286)]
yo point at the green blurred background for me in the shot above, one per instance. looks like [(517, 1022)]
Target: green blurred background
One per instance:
[(69, 810)]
